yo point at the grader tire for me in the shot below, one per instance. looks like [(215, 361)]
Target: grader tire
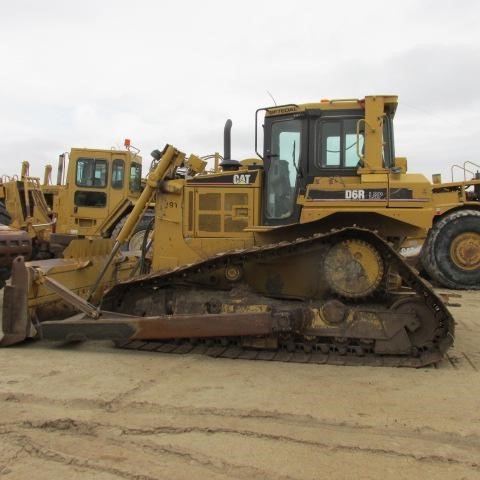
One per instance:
[(5, 218), (451, 255), (137, 236)]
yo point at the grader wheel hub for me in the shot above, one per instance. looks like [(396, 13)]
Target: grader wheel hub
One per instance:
[(353, 269), (465, 251), (136, 241)]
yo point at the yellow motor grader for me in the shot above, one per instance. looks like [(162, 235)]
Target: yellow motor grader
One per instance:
[(95, 190), (290, 256)]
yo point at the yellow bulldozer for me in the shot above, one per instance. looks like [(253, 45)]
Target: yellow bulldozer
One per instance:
[(290, 256), (95, 190)]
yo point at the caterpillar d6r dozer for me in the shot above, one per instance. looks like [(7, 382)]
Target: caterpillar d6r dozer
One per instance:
[(237, 270)]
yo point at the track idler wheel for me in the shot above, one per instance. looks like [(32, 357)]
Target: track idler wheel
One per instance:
[(422, 328), (353, 269)]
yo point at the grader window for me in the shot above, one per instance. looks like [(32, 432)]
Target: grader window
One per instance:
[(89, 198), (118, 173), (91, 172), (135, 178)]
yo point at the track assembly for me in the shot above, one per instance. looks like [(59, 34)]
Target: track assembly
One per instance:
[(253, 304)]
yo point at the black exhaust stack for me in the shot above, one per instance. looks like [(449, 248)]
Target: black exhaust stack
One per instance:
[(227, 140), (227, 163), (61, 168)]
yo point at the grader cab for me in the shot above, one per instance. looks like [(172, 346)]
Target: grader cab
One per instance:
[(94, 193)]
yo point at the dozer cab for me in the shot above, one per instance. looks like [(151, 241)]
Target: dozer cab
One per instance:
[(246, 262)]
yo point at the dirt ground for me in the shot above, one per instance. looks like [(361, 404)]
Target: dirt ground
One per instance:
[(90, 411)]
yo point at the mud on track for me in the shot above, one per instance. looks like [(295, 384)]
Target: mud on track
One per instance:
[(90, 411)]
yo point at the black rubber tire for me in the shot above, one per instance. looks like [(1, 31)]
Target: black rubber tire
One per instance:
[(142, 226), (5, 218), (5, 273), (436, 256)]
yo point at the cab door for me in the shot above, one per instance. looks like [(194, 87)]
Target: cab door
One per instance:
[(90, 199), (284, 150)]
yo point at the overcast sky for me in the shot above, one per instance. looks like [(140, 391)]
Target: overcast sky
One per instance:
[(90, 73)]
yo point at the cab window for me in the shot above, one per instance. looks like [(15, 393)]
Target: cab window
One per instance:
[(135, 177), (282, 168), (90, 198), (91, 172), (337, 143), (118, 173)]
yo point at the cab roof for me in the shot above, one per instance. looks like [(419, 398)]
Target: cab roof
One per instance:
[(390, 105)]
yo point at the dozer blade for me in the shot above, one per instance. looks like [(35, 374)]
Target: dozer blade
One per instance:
[(57, 288)]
